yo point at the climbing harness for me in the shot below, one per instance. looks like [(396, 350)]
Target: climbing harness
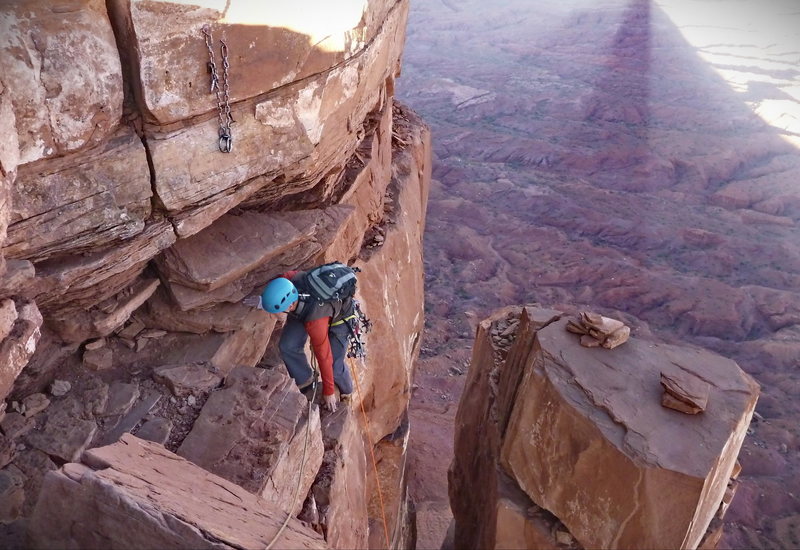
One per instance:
[(367, 430), (222, 92)]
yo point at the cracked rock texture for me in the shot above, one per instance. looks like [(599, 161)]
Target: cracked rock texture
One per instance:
[(581, 433)]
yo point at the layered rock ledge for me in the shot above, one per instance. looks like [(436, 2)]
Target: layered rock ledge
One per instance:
[(135, 494), (563, 444)]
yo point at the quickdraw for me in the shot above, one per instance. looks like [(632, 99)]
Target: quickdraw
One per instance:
[(225, 143), (358, 324)]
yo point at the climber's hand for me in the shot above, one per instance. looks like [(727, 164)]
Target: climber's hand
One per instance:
[(330, 402), (253, 301)]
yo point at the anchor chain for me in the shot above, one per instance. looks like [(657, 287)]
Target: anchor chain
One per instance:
[(222, 91)]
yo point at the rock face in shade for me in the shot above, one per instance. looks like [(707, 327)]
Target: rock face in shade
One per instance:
[(19, 344), (60, 66), (80, 282), (480, 501), (252, 432), (111, 315), (558, 413), (368, 174), (136, 494)]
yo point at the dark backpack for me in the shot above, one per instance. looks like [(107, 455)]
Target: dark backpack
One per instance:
[(331, 282)]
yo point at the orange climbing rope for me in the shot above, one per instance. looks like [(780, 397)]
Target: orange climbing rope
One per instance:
[(371, 451)]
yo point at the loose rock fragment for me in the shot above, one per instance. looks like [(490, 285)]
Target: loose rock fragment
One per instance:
[(35, 403), (596, 330), (98, 359), (684, 392), (59, 388), (96, 344)]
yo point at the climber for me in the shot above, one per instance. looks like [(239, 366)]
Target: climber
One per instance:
[(313, 312)]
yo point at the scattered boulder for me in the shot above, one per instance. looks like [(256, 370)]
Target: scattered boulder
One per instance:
[(59, 388), (95, 344), (15, 425), (8, 315), (35, 403), (121, 397), (183, 380), (98, 359), (65, 433), (12, 494), (34, 464), (156, 430), (8, 450), (18, 347), (133, 328)]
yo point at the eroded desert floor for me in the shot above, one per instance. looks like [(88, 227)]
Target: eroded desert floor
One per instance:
[(636, 158)]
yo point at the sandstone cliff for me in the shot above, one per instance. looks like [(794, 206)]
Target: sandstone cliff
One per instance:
[(559, 445), (128, 239)]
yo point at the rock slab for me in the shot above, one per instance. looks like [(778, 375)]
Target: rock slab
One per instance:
[(136, 494), (252, 433)]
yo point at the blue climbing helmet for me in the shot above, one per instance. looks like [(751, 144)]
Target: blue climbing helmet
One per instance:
[(278, 295)]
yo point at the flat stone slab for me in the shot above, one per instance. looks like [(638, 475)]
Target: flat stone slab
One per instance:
[(229, 248), (66, 434), (121, 397), (684, 392), (183, 380), (130, 420), (155, 429), (252, 432), (136, 494)]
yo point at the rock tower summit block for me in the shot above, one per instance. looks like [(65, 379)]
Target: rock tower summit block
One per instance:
[(589, 440)]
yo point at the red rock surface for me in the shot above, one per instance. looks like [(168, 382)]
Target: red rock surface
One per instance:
[(175, 503), (630, 158)]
